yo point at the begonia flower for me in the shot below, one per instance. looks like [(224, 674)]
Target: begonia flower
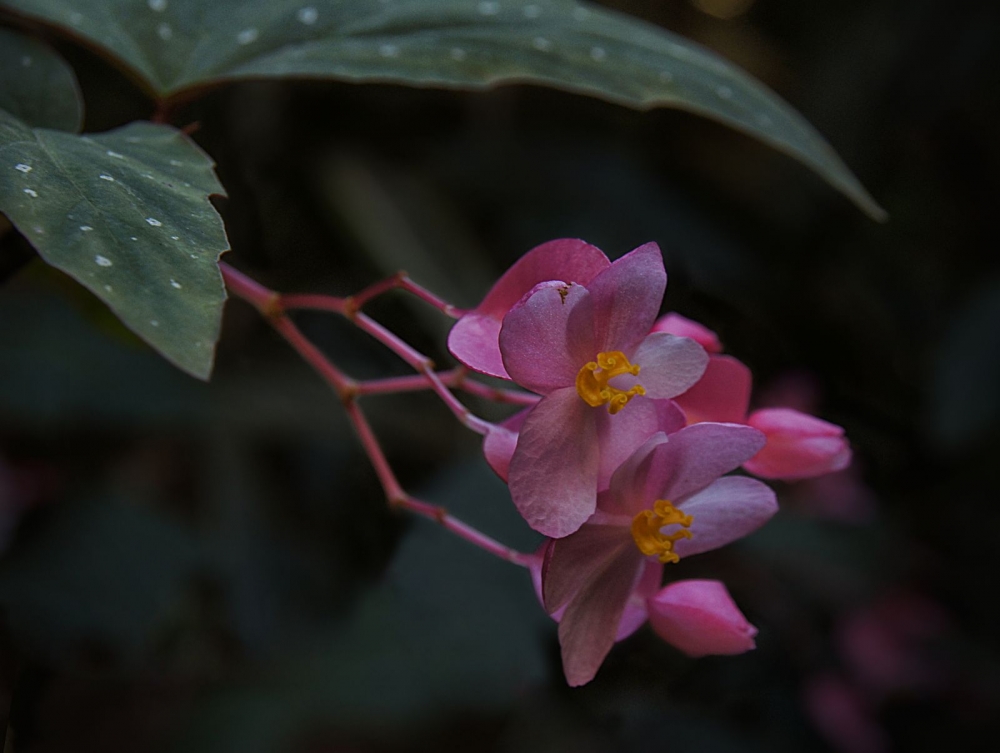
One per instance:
[(674, 324), (588, 350), (798, 445), (666, 501), (700, 618), (474, 340), (697, 617)]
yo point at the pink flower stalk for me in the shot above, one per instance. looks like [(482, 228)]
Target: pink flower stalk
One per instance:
[(588, 350), (666, 501), (474, 340), (798, 445)]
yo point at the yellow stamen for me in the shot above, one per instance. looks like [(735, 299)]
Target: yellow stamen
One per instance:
[(592, 381), (651, 540)]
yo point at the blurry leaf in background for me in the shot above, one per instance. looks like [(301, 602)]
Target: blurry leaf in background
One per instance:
[(449, 43), (450, 630), (104, 570), (59, 372), (126, 214), (965, 391), (36, 85)]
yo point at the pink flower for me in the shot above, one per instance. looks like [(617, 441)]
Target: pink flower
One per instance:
[(798, 445), (675, 324), (666, 501), (699, 617), (587, 349), (474, 338)]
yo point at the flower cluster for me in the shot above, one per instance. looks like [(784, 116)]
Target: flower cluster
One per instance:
[(622, 461)]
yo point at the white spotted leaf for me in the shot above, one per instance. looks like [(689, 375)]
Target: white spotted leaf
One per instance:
[(126, 213), (36, 85), (176, 45)]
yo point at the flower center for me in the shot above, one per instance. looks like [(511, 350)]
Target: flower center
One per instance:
[(651, 540), (592, 381)]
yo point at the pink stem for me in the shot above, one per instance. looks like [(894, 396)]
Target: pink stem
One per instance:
[(316, 302), (263, 299), (352, 304), (456, 378), (390, 385), (269, 303), (423, 364), (497, 394), (401, 281), (399, 498), (343, 384)]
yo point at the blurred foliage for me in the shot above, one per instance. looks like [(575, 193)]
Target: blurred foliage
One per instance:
[(213, 565)]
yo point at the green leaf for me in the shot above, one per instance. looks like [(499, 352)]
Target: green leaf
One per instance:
[(179, 44), (126, 214), (36, 85)]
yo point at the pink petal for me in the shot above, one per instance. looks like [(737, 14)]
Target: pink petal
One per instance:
[(699, 617), (474, 339), (500, 442), (697, 455), (675, 324), (798, 445), (623, 433), (634, 614), (545, 339), (553, 472), (668, 365), (722, 393), (627, 298), (588, 628), (570, 562), (726, 510), (628, 492)]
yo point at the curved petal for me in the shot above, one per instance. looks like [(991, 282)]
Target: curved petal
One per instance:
[(675, 324), (699, 617), (568, 259), (628, 489), (724, 511), (627, 492), (722, 393), (553, 472), (570, 562), (500, 442), (635, 613), (668, 365), (474, 340), (798, 445), (633, 616), (623, 433), (697, 455), (545, 338), (627, 297), (588, 628)]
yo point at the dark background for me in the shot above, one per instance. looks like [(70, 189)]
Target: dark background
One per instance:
[(212, 567)]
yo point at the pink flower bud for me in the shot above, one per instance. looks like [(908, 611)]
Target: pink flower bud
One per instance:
[(675, 324), (699, 617), (798, 445)]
